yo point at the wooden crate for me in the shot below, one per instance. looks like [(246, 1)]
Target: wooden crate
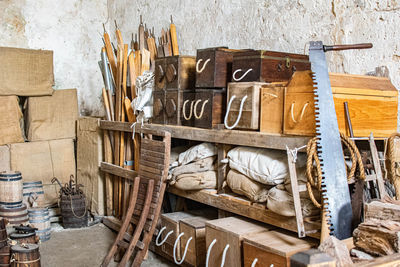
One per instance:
[(273, 247), (159, 107), (214, 67), (250, 115), (271, 110), (372, 103), (187, 117), (180, 72), (194, 228), (209, 107), (173, 106), (230, 230), (266, 66), (159, 74)]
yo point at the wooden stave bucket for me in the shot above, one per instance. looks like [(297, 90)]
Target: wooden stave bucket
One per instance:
[(26, 238), (39, 218), (5, 256), (11, 189), (77, 216), (27, 255), (34, 188), (15, 216), (44, 235)]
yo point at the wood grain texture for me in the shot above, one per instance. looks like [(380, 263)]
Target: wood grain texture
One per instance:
[(181, 70), (187, 117), (382, 211), (272, 109), (159, 101), (159, 70), (173, 107), (214, 109)]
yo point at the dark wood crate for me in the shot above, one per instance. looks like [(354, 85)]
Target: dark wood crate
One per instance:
[(173, 106), (187, 117), (209, 107), (159, 74), (180, 72), (159, 106)]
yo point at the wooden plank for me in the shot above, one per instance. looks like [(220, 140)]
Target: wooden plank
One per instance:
[(387, 261), (209, 197), (151, 164), (377, 167), (152, 153), (222, 167), (152, 159), (234, 137), (154, 144), (118, 171), (108, 179), (115, 224)]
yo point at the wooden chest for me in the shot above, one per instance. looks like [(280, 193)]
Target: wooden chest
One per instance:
[(243, 108), (267, 66), (194, 228), (159, 107), (187, 118), (229, 231), (214, 67), (273, 247), (372, 103), (209, 107), (173, 105), (271, 110), (159, 74), (180, 72)]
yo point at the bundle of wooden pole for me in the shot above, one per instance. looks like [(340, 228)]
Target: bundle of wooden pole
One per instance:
[(117, 64)]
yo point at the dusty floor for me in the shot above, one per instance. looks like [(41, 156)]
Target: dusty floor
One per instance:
[(84, 247)]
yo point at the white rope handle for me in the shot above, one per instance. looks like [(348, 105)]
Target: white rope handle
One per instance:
[(270, 94), (228, 110), (184, 110), (224, 255), (301, 114), (186, 248), (204, 66), (241, 77), (202, 109), (165, 238), (209, 251), (253, 264)]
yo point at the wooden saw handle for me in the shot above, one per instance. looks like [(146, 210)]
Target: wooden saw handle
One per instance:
[(347, 47)]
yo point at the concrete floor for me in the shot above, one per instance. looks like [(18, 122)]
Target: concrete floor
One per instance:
[(85, 247)]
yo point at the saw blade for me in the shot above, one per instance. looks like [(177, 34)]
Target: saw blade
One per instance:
[(335, 190)]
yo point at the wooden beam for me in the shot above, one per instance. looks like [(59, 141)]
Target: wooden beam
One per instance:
[(118, 171)]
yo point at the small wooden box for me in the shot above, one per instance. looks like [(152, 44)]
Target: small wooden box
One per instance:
[(173, 106), (250, 115), (171, 222), (273, 247), (372, 103), (271, 111), (159, 74), (187, 117), (159, 106), (214, 67), (209, 107), (180, 72), (267, 66), (196, 229), (230, 230)]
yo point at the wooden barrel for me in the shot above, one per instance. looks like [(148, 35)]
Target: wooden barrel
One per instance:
[(74, 211), (33, 190), (10, 189), (5, 256), (15, 216), (23, 255), (39, 218), (26, 238), (3, 233)]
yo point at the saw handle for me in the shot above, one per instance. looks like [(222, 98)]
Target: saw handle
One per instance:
[(347, 47)]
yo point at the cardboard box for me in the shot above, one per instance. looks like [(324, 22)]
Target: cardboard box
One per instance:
[(52, 117), (4, 158), (41, 161), (26, 72), (10, 120), (89, 153)]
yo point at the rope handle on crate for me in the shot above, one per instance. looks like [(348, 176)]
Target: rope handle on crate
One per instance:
[(303, 110), (253, 264), (186, 248), (241, 77), (73, 212), (165, 238), (202, 109), (228, 110), (204, 65), (184, 109), (223, 253)]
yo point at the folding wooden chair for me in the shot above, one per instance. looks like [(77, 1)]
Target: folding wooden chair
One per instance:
[(146, 198)]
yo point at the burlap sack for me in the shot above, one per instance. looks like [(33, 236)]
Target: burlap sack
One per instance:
[(196, 181), (302, 184), (4, 158), (281, 202), (242, 185), (26, 72), (89, 154), (201, 165), (52, 117), (201, 151), (43, 160), (10, 120)]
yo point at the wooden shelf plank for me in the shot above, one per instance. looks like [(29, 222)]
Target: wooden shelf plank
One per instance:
[(118, 171), (246, 209), (233, 137)]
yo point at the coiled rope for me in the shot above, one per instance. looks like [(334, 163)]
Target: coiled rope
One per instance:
[(394, 165), (314, 181)]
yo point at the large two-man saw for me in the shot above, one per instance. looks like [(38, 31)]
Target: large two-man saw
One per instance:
[(335, 190)]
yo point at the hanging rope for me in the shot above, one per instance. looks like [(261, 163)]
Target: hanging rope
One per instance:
[(394, 165), (314, 181)]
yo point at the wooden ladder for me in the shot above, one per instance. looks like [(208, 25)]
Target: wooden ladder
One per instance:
[(145, 199)]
